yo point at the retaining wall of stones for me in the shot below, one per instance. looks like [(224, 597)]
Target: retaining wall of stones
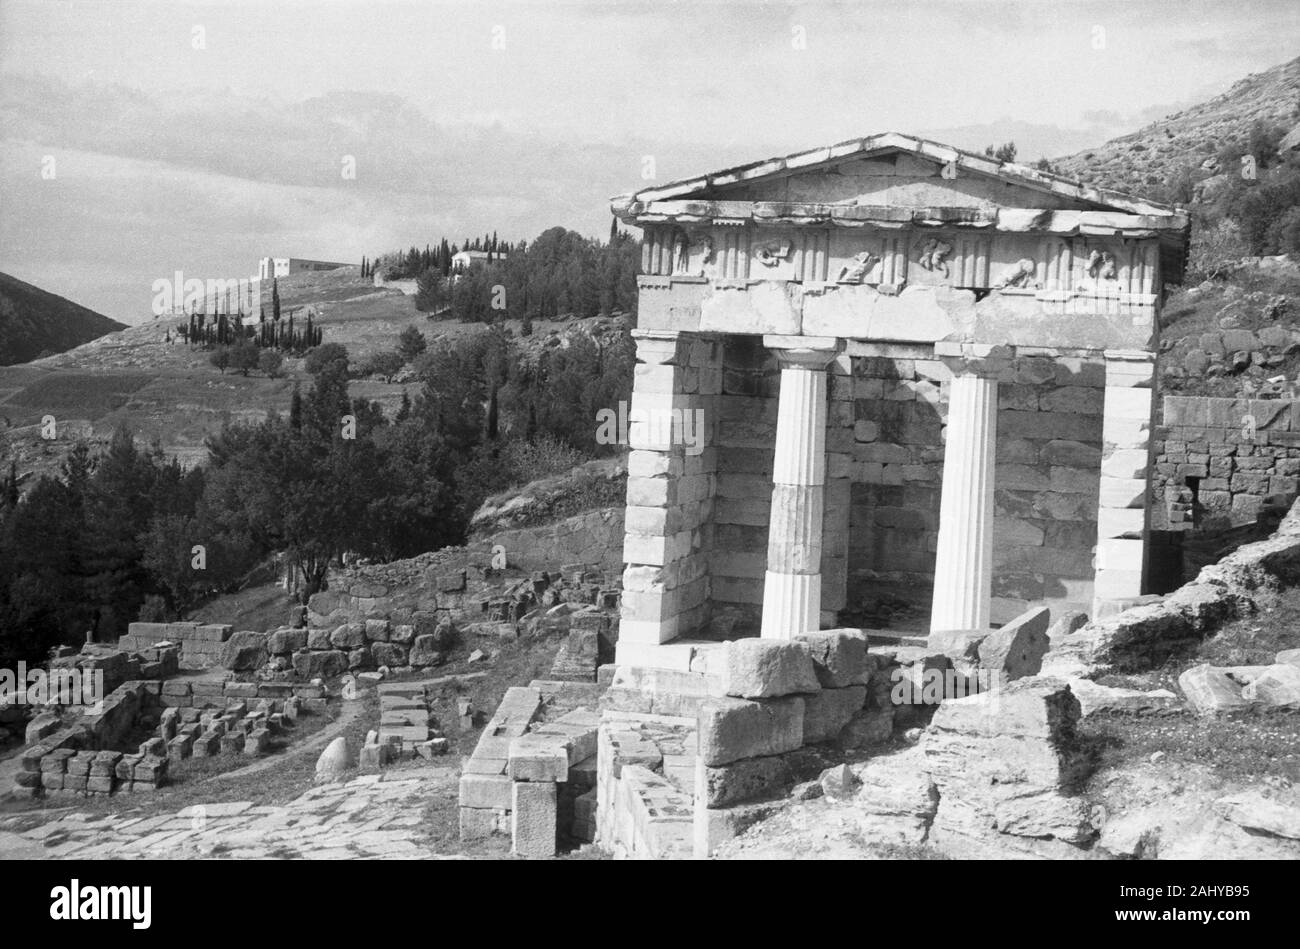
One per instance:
[(1218, 460), (200, 644)]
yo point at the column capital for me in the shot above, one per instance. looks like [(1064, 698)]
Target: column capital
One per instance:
[(804, 352), (659, 347), (974, 359)]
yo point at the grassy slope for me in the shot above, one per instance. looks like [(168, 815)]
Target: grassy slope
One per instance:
[(170, 393)]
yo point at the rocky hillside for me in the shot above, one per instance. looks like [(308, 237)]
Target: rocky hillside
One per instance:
[(1148, 159), (34, 322)]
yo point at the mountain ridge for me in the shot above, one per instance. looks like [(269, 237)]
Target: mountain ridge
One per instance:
[(35, 322)]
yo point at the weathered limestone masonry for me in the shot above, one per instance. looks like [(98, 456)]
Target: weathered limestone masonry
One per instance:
[(391, 614), (81, 753), (532, 774), (1217, 460), (904, 365), (200, 644)]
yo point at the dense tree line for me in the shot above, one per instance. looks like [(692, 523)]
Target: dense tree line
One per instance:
[(561, 274), (130, 534), (436, 257)]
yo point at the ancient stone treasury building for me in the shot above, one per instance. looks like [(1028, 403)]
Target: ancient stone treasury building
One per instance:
[(915, 371)]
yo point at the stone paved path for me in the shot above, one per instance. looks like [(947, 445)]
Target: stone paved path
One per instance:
[(374, 815)]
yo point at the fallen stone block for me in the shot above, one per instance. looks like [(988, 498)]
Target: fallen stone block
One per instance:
[(744, 780), (1017, 649), (180, 747), (1278, 686), (1260, 814), (257, 742), (827, 712), (151, 769), (839, 657), (839, 782), (1094, 698), (1209, 690), (867, 727), (156, 747), (376, 756), (432, 748), (731, 729), (768, 668), (207, 745)]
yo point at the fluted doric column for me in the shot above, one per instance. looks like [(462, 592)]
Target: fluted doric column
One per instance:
[(963, 571), (792, 583)]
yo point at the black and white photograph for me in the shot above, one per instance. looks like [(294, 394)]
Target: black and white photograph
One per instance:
[(585, 431)]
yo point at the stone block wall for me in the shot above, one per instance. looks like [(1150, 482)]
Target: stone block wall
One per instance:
[(1046, 482), (582, 554), (200, 644), (1217, 460), (671, 490), (896, 453), (884, 472), (199, 718), (745, 432)]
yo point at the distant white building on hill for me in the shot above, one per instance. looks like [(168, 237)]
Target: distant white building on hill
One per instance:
[(462, 261), (269, 267)]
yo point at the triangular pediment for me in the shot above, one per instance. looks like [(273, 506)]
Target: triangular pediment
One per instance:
[(893, 170)]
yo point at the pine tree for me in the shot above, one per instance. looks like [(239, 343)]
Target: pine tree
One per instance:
[(275, 299)]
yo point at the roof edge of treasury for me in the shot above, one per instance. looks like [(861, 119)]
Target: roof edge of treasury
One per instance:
[(896, 141)]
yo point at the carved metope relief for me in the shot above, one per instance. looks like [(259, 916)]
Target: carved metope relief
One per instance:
[(856, 270), (934, 253), (1019, 275), (680, 253), (769, 253)]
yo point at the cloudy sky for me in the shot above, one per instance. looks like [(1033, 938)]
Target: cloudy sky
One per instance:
[(138, 137)]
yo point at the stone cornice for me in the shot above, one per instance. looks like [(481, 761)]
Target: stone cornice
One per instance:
[(1001, 220)]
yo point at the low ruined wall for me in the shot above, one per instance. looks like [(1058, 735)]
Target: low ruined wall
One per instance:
[(455, 583), (200, 644), (77, 755), (1218, 459)]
